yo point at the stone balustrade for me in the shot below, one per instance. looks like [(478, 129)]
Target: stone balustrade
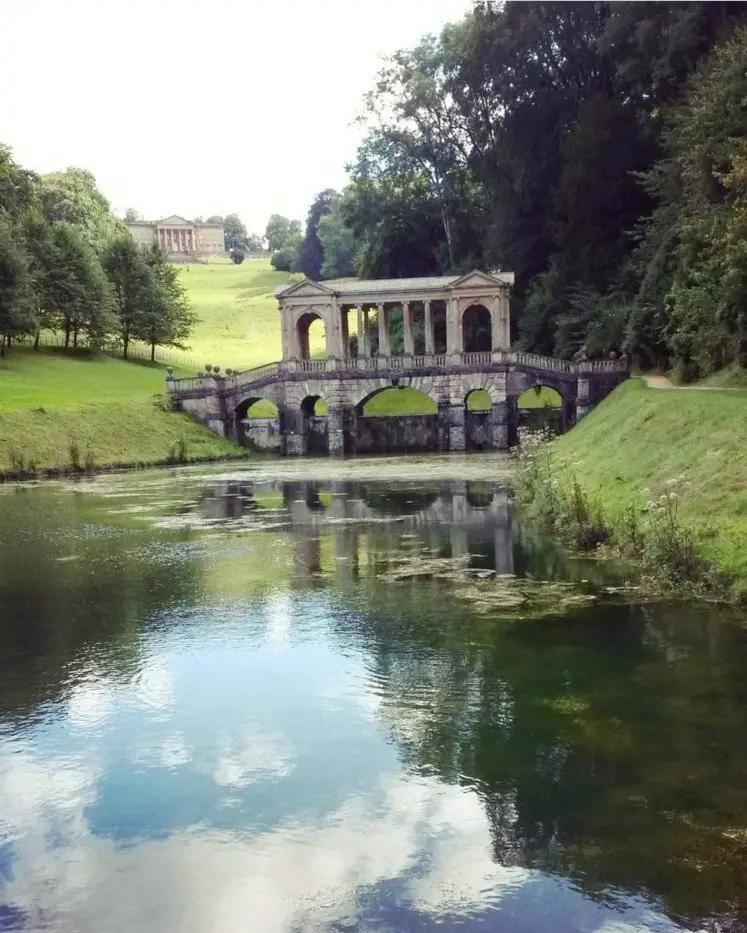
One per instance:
[(431, 362)]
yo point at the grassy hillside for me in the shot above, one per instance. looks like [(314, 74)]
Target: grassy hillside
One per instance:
[(125, 434), (68, 380), (50, 400), (639, 438), (239, 320)]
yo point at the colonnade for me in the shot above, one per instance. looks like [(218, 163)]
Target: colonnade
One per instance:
[(176, 239), (451, 311)]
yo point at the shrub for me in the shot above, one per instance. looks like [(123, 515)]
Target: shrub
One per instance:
[(238, 255), (178, 452), (73, 449)]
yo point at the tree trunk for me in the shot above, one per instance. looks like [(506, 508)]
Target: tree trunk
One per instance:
[(75, 338), (125, 345), (153, 353), (36, 338), (2, 346), (67, 334)]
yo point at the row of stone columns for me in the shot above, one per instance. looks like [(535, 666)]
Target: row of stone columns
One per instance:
[(176, 240), (500, 337), (383, 321)]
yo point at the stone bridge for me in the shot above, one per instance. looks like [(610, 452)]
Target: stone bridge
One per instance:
[(294, 386), (455, 339)]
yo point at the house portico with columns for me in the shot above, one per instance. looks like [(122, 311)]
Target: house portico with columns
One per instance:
[(443, 299), (454, 341)]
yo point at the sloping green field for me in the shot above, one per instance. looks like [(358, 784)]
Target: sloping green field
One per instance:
[(639, 438), (239, 320)]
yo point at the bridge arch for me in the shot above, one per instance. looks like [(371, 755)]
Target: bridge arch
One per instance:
[(476, 328), (307, 332), (542, 407), (478, 400), (397, 400), (315, 425), (254, 408)]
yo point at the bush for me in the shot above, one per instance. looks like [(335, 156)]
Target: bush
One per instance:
[(238, 255), (74, 455), (283, 260), (178, 452)]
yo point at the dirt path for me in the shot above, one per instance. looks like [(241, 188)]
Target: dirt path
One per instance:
[(664, 382)]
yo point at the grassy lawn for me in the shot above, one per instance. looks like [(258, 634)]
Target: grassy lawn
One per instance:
[(639, 438), (105, 405), (239, 319), (65, 380)]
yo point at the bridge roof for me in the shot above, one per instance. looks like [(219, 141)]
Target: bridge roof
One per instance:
[(349, 288)]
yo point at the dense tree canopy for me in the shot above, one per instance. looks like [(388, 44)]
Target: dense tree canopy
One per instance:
[(68, 265), (591, 148)]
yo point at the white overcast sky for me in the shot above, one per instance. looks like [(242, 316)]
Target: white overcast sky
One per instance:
[(197, 108)]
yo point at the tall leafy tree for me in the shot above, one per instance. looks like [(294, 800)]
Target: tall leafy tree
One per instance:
[(280, 231), (311, 256), (234, 231), (74, 288), (167, 318), (132, 284), (73, 196), (16, 286)]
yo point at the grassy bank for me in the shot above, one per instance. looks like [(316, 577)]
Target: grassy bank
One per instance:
[(642, 444), (58, 407)]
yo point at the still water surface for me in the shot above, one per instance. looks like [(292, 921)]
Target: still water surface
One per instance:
[(218, 713)]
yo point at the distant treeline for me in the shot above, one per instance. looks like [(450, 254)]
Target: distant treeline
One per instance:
[(598, 150), (68, 265)]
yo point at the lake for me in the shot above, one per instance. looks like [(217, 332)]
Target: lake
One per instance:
[(355, 696)]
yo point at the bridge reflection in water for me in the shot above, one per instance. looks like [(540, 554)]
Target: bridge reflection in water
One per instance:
[(355, 529)]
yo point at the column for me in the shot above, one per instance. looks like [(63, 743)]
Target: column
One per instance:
[(407, 316), (384, 349), (453, 328), (335, 432), (344, 332), (505, 319), (362, 335), (429, 337), (496, 328)]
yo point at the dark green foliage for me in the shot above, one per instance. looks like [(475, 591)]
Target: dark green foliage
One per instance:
[(574, 144), (311, 256), (237, 256), (67, 264), (234, 232)]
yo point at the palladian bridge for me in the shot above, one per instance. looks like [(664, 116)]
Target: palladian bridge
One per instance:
[(446, 337)]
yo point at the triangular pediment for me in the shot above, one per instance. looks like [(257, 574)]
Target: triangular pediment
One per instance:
[(306, 288), (478, 279), (174, 221)]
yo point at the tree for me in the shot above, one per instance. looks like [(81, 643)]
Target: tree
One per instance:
[(339, 245), (16, 292), (312, 252), (238, 255), (131, 216), (234, 231), (73, 196), (254, 243), (74, 287), (215, 219), (168, 319), (132, 286), (280, 231)]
